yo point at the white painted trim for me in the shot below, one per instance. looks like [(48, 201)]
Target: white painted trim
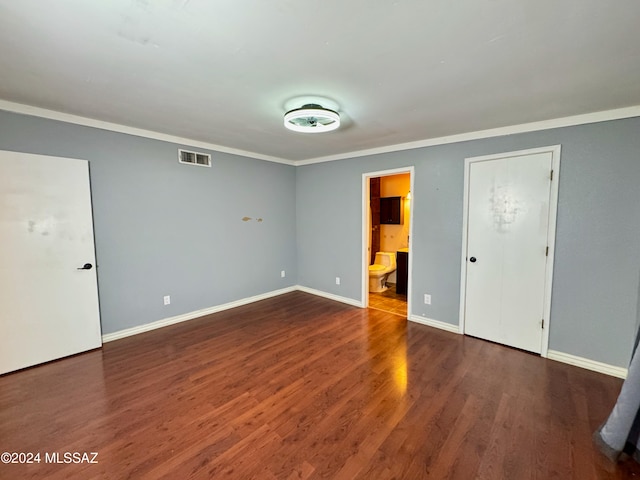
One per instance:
[(551, 235), (390, 171), (364, 242), (109, 337), (463, 256), (599, 367), (595, 117), (552, 355), (412, 177), (138, 132), (551, 243), (434, 323), (330, 296)]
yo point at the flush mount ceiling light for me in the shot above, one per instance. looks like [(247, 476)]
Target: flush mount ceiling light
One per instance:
[(312, 118)]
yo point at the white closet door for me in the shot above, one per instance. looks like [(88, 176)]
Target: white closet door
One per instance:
[(48, 301), (507, 229)]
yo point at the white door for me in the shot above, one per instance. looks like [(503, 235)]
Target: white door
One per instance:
[(506, 256), (48, 303)]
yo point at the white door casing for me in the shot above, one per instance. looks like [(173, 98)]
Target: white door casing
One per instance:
[(48, 305), (509, 221), (366, 231)]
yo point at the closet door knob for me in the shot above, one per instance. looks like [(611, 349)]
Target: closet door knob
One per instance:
[(472, 259)]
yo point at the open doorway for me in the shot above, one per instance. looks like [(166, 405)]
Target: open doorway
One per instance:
[(387, 217)]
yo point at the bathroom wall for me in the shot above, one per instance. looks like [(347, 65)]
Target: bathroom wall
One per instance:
[(164, 228), (394, 237), (595, 298)]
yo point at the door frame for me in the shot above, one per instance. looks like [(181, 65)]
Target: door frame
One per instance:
[(551, 234), (364, 241)]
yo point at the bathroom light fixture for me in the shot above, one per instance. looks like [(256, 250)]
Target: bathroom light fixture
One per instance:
[(312, 118), (408, 197)]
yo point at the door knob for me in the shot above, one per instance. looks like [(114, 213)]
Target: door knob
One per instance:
[(86, 266), (472, 259)]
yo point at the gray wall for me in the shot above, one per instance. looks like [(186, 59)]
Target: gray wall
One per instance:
[(163, 228), (597, 261)]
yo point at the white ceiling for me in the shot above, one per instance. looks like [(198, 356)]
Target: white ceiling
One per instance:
[(401, 71)]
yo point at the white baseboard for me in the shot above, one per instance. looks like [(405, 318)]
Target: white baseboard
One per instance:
[(191, 315), (435, 323), (551, 354), (330, 296), (588, 364)]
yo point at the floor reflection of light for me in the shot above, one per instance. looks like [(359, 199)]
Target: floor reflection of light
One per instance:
[(400, 367), (399, 359), (388, 349)]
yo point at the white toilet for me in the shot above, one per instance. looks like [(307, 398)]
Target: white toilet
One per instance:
[(384, 264)]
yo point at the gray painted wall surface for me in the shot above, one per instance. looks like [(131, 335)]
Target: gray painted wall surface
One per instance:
[(163, 228), (597, 261)]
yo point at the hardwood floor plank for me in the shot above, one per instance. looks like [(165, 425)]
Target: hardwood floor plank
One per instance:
[(465, 445), (304, 471), (301, 387)]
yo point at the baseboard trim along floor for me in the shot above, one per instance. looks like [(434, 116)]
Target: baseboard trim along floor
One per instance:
[(582, 362), (330, 296), (109, 337), (586, 363), (435, 323)]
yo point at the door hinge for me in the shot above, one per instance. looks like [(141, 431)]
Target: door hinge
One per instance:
[(543, 323), (546, 253), (551, 176)]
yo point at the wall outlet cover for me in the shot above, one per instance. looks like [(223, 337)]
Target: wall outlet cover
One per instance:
[(427, 299), (167, 299), (337, 280)]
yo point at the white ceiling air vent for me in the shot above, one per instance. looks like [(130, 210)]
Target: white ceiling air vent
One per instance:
[(194, 158)]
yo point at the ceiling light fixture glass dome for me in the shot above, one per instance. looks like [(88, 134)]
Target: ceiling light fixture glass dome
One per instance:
[(312, 118)]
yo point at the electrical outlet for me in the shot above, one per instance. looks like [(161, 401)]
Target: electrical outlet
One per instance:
[(337, 280), (427, 299), (167, 299), (282, 274)]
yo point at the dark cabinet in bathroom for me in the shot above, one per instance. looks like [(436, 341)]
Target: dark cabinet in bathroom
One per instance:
[(402, 272), (391, 211)]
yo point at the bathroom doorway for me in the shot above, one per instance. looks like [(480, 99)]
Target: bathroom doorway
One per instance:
[(387, 218)]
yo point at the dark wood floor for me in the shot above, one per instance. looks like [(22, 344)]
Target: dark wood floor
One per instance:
[(300, 387)]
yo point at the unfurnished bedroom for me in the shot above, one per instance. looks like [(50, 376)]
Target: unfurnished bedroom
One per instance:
[(338, 240)]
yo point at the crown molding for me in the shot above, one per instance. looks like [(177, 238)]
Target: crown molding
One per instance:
[(594, 117), (138, 132), (571, 121)]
